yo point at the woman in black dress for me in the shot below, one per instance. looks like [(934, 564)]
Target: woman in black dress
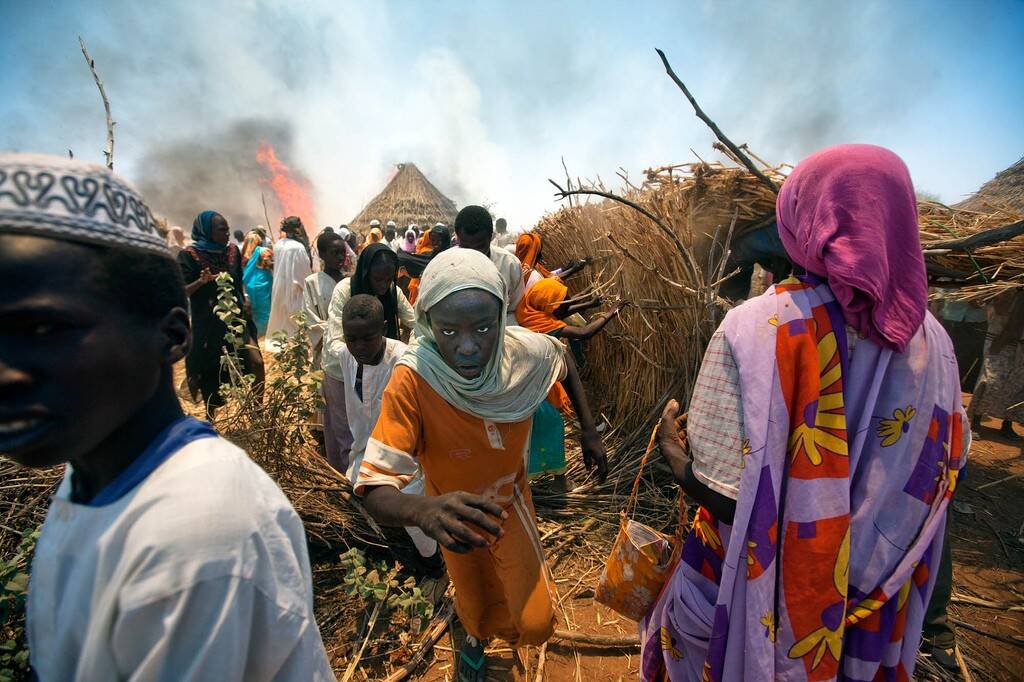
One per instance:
[(209, 255)]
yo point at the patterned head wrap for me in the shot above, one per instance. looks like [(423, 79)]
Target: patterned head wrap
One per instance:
[(75, 201)]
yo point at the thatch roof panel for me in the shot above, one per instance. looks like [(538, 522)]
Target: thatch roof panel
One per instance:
[(1003, 192), (408, 198)]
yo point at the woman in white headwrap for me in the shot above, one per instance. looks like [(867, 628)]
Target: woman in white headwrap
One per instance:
[(460, 405)]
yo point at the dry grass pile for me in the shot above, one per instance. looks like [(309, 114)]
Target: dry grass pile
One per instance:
[(670, 273), (24, 498), (408, 198), (981, 274)]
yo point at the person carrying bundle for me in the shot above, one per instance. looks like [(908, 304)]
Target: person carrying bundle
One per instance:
[(824, 439), (544, 308), (459, 407), (528, 251), (166, 553)]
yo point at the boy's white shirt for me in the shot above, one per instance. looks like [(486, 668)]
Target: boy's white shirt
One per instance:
[(199, 573)]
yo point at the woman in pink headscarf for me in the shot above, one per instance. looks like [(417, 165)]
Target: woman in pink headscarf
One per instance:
[(824, 468)]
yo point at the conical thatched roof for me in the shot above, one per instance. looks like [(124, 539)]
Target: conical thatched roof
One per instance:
[(408, 198), (1003, 192)]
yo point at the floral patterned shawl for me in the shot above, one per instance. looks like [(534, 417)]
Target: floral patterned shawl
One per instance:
[(848, 467)]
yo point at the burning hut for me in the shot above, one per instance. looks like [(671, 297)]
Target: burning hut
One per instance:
[(408, 198)]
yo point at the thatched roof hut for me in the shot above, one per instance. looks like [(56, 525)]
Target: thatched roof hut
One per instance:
[(1004, 191), (408, 198)]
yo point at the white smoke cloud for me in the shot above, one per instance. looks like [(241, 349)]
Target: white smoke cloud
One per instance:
[(485, 99)]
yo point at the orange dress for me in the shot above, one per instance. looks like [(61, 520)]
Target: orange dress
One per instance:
[(504, 590)]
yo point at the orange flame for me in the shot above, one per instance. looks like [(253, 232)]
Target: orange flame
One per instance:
[(291, 190)]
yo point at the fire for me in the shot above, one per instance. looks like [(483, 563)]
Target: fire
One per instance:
[(291, 190)]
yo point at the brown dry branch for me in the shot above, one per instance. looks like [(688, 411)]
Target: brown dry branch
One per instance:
[(108, 151), (735, 151)]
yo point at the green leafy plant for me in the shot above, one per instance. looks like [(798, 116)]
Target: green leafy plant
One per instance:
[(376, 582), (13, 592)]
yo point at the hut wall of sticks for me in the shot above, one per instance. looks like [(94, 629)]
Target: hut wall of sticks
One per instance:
[(669, 263), (408, 198), (669, 245)]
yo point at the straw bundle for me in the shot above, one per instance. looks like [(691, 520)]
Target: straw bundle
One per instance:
[(408, 198), (982, 273), (670, 273), (24, 499)]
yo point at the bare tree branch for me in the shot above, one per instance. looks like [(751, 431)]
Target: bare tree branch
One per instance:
[(715, 129), (108, 151), (683, 251)]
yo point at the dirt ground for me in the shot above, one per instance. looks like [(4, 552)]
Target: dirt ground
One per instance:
[(987, 533), (988, 555)]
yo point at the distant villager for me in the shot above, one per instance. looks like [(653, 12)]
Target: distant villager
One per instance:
[(210, 255), (258, 277), (291, 268)]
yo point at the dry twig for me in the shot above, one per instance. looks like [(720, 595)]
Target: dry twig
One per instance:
[(108, 151), (714, 128)]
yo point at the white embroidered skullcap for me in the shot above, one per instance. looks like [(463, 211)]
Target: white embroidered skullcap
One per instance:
[(51, 196), (391, 223), (375, 223)]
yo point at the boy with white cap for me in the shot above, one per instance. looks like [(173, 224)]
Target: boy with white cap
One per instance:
[(166, 554)]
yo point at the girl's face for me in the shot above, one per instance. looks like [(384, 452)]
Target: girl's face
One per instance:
[(382, 275), (466, 325)]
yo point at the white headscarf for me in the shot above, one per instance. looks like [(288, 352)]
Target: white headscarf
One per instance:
[(524, 366)]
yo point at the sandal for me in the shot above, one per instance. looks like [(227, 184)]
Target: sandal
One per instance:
[(472, 663)]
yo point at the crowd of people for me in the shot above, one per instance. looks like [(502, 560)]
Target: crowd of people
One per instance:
[(823, 439)]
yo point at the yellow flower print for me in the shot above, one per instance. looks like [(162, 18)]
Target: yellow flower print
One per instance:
[(774, 320), (890, 430), (668, 645), (707, 533), (768, 621), (744, 451), (830, 412), (819, 641)]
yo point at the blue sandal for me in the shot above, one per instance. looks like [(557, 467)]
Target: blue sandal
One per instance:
[(472, 663)]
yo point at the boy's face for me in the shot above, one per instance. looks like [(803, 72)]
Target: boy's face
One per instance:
[(466, 326), (478, 241), (73, 366), (389, 233), (333, 254), (364, 339)]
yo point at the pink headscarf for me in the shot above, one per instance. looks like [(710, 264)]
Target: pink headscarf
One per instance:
[(849, 214), (409, 244)]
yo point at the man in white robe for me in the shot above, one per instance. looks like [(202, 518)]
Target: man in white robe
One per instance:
[(291, 268)]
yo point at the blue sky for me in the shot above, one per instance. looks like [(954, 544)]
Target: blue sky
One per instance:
[(488, 97)]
